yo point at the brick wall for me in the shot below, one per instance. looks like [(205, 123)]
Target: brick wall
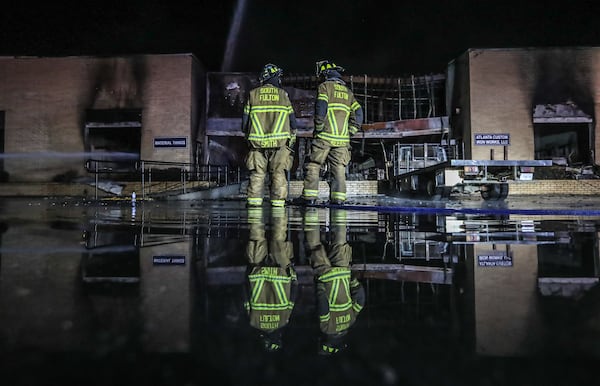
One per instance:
[(555, 187), (353, 188), (46, 100), (536, 187)]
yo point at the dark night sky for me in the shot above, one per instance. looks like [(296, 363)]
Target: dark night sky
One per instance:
[(372, 37)]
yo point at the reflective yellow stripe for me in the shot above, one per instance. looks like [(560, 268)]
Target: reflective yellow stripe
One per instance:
[(332, 122), (337, 134), (256, 126), (338, 195), (280, 122), (310, 193), (269, 109), (270, 275), (258, 132), (335, 140), (335, 273), (276, 136), (339, 106)]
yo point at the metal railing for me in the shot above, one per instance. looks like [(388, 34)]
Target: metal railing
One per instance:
[(161, 177), (410, 157)]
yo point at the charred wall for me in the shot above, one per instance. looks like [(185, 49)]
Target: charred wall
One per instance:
[(560, 75), (458, 101), (47, 104), (507, 84)]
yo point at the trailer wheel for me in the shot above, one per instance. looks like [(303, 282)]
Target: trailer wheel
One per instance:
[(442, 192), (494, 191), (488, 192), (430, 188), (485, 191), (503, 191)]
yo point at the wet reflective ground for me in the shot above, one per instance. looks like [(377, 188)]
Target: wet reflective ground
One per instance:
[(184, 293)]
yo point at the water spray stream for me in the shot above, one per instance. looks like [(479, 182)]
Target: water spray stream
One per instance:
[(63, 155), (234, 31)]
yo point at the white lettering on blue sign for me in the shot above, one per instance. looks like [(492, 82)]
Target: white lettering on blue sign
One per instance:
[(168, 260), (170, 142), (492, 139), (494, 261)]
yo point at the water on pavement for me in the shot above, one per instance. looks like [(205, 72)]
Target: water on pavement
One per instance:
[(456, 292)]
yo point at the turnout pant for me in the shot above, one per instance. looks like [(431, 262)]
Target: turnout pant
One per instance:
[(275, 162), (337, 158)]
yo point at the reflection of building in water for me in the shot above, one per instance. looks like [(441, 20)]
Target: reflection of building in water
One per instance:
[(509, 272), (514, 272), (417, 239), (125, 287), (157, 265), (505, 272), (156, 283), (507, 311)]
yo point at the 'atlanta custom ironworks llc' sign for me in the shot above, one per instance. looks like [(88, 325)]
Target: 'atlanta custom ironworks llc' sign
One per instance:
[(494, 259), (492, 139), (170, 142)]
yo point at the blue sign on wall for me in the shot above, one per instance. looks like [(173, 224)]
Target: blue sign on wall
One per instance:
[(170, 142), (492, 139), (494, 260), (168, 260)]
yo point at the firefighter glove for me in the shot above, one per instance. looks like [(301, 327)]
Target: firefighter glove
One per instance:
[(292, 140)]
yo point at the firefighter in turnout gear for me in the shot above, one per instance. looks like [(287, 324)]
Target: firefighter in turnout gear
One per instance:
[(271, 285), (337, 117), (269, 124), (340, 296)]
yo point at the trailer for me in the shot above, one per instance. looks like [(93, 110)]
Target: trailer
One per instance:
[(436, 170)]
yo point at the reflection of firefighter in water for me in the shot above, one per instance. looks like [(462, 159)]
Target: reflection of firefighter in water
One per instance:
[(271, 278), (340, 296)]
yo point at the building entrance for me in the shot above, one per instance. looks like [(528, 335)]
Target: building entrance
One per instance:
[(114, 135), (563, 131)]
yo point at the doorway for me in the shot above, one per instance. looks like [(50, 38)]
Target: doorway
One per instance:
[(114, 135), (569, 141), (563, 131)]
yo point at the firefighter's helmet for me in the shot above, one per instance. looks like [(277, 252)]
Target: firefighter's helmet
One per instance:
[(324, 66), (269, 71)]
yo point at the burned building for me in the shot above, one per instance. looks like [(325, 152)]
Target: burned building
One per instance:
[(397, 109), (56, 113), (501, 104), (525, 103)]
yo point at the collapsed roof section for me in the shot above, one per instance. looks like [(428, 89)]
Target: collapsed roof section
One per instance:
[(567, 112), (394, 107)]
